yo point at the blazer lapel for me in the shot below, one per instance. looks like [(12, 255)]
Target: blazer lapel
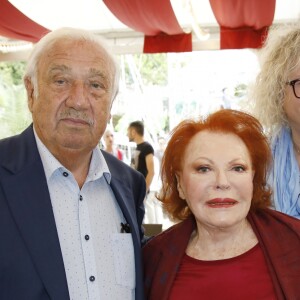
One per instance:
[(125, 200), (121, 193), (27, 195)]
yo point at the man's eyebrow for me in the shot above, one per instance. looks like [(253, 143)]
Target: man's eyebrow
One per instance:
[(96, 72), (62, 68)]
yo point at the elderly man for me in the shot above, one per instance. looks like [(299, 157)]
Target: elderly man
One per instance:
[(70, 214)]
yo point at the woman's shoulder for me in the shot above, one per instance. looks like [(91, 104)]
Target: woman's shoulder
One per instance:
[(270, 218), (277, 214), (174, 234), (162, 237)]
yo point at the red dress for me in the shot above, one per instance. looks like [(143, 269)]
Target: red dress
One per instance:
[(243, 277)]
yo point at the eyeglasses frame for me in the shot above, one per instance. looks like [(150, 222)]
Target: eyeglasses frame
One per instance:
[(292, 83)]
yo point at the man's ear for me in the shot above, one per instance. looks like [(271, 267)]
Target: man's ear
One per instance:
[(30, 92), (179, 188)]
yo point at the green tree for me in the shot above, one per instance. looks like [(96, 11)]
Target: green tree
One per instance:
[(12, 72), (14, 114), (149, 69)]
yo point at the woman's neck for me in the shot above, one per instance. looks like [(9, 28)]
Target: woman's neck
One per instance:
[(223, 243)]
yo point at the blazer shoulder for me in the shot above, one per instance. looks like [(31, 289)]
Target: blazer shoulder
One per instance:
[(18, 150)]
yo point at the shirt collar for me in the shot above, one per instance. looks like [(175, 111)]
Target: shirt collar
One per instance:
[(98, 165)]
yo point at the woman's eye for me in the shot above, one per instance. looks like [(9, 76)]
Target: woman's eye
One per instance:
[(203, 169), (239, 168)]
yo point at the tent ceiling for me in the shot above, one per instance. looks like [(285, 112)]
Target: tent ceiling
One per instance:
[(193, 16)]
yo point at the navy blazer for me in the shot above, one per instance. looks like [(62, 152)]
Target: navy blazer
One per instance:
[(31, 263)]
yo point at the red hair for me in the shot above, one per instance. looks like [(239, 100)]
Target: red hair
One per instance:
[(245, 126)]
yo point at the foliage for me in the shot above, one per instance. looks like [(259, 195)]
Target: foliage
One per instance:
[(240, 90), (146, 69), (14, 114), (12, 72)]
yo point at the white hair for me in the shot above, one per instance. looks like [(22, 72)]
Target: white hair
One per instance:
[(68, 33)]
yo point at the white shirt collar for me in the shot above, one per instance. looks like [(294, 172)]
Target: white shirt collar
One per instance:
[(98, 165)]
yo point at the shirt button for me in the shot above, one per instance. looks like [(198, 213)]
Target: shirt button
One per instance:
[(87, 237), (92, 278), (80, 198), (65, 174)]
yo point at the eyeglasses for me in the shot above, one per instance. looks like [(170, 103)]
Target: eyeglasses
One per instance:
[(296, 87)]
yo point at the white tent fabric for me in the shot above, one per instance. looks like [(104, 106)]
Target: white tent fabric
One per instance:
[(193, 15)]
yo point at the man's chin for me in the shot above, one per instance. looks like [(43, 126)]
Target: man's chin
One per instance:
[(75, 143)]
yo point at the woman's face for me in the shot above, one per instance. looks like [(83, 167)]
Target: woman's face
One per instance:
[(291, 103), (216, 179)]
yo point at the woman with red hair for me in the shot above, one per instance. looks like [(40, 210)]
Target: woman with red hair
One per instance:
[(228, 243)]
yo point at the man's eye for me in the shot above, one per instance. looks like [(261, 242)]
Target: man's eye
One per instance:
[(60, 81), (96, 85)]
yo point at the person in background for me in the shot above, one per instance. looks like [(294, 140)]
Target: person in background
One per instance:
[(71, 214), (153, 208), (109, 144), (159, 152), (157, 213), (276, 94), (227, 244), (142, 159)]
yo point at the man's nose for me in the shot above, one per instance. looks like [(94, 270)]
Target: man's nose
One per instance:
[(78, 97)]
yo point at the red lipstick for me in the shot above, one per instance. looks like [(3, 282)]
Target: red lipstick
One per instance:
[(221, 202)]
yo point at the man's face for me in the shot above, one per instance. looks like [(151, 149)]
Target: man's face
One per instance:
[(130, 134), (75, 81), (291, 103), (108, 138)]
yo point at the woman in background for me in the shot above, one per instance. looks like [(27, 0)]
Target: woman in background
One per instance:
[(228, 244), (277, 105)]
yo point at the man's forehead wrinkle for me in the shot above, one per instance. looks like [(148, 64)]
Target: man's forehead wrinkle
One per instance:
[(63, 68)]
